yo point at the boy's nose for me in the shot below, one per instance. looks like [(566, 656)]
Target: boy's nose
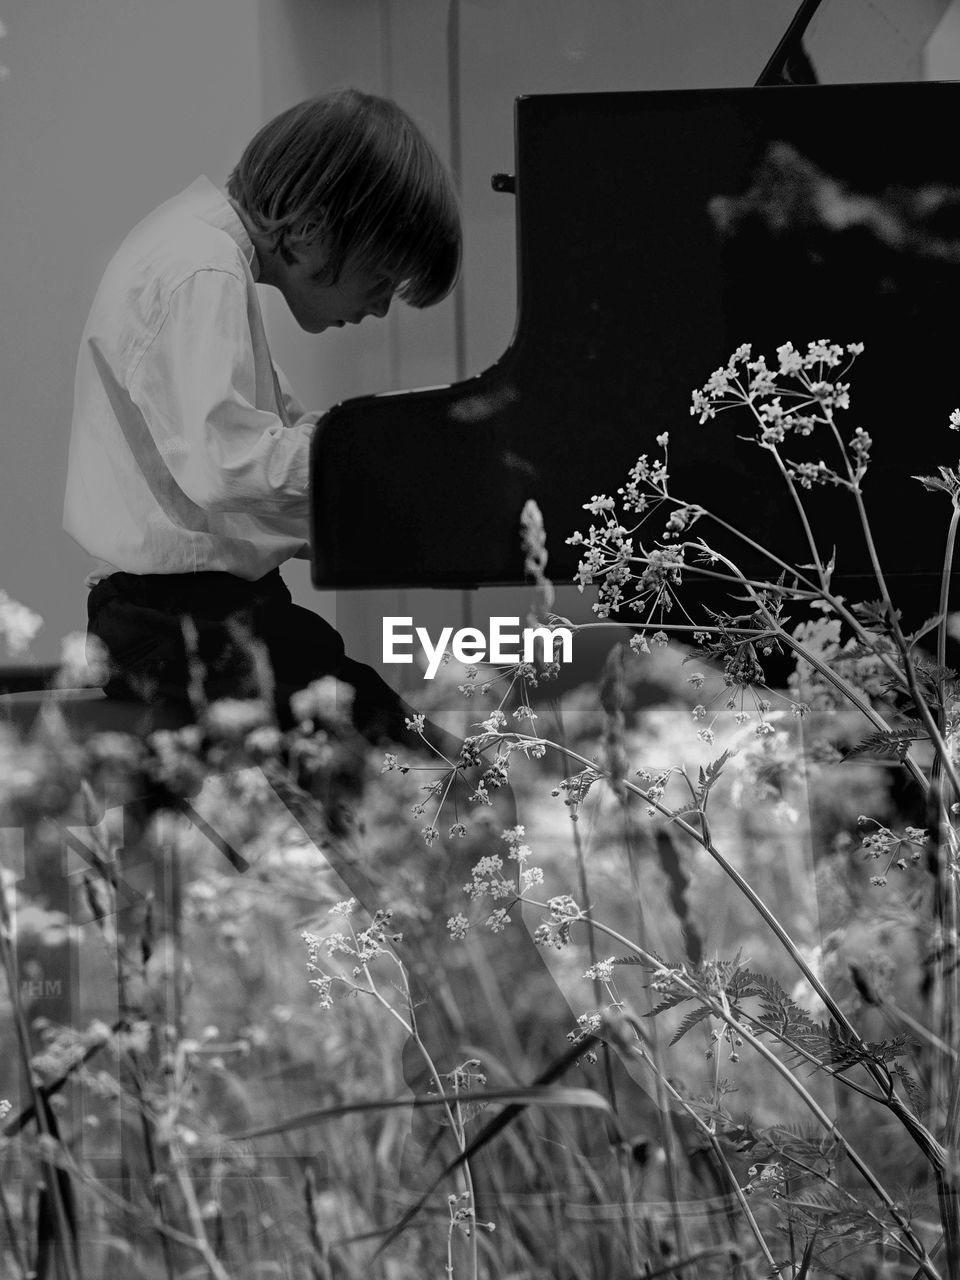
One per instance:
[(380, 306)]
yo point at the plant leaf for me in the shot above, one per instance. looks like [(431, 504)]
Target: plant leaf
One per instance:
[(931, 624), (892, 744), (916, 1095), (669, 1002), (949, 481), (540, 1095), (690, 1021), (490, 1130)]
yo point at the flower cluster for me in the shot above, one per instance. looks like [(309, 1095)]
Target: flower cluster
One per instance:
[(234, 718), (769, 1178), (860, 665), (177, 765), (602, 971), (588, 1024), (533, 536), (463, 1216), (363, 947), (328, 701), (885, 843), (18, 624), (463, 1080), (802, 394), (575, 789), (629, 578), (746, 381), (488, 880), (644, 477), (84, 662), (556, 931), (493, 733), (654, 785)]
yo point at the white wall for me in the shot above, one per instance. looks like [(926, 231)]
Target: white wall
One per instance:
[(941, 56), (110, 107)]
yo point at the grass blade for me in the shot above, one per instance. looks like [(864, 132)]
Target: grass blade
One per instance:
[(500, 1122), (542, 1095)]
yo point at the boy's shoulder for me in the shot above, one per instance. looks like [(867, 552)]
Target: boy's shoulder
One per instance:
[(197, 230)]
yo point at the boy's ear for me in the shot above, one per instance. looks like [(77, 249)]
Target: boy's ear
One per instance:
[(308, 237), (304, 246)]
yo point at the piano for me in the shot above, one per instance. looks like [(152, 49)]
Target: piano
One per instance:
[(657, 231)]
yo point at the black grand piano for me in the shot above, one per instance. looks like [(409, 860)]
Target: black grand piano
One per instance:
[(656, 233)]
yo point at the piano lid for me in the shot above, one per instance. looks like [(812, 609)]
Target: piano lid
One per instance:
[(650, 245)]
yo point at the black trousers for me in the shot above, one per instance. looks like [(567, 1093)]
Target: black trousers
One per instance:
[(138, 618)]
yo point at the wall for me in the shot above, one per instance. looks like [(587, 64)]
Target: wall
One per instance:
[(941, 54), (110, 107)]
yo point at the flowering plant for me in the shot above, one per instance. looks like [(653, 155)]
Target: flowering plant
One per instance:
[(843, 1040), (642, 557)]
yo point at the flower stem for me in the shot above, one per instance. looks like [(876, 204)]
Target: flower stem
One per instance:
[(914, 1245), (944, 607), (678, 1098), (932, 1150)]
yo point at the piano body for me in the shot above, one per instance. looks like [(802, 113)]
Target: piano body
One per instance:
[(643, 263)]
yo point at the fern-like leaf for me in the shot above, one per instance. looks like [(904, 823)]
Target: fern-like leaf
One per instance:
[(690, 1021), (874, 612), (669, 1002), (914, 1092), (827, 1201), (891, 744)]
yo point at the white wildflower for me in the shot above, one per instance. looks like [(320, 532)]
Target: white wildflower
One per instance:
[(328, 700), (458, 926), (236, 717), (84, 661), (18, 624)]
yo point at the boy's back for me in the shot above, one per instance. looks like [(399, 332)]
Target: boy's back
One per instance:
[(183, 456)]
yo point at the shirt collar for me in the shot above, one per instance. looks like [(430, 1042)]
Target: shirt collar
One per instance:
[(214, 207)]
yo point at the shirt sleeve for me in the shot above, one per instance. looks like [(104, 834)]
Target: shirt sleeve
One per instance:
[(196, 386), (291, 404)]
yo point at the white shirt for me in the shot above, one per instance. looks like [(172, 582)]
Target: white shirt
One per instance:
[(187, 451)]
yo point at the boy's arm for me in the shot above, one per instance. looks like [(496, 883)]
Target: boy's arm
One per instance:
[(196, 385), (292, 406)]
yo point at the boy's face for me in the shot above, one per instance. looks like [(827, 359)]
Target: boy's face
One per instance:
[(319, 305)]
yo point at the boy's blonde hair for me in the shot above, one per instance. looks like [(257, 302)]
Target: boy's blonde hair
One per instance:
[(353, 170)]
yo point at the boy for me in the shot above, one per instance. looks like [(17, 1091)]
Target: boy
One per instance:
[(188, 471)]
